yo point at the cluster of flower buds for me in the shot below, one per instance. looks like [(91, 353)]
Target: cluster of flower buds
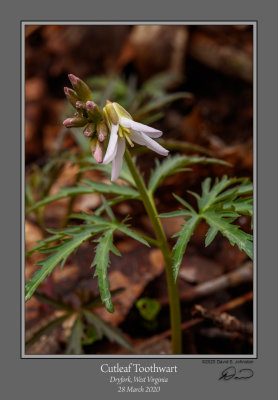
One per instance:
[(114, 121), (88, 115)]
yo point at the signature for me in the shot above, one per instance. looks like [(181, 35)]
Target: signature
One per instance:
[(232, 373)]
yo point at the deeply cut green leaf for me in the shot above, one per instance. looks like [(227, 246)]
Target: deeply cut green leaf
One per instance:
[(48, 264), (184, 236), (44, 242), (161, 102), (217, 193), (232, 232), (75, 340), (46, 329), (172, 165), (102, 327), (178, 213), (92, 187), (125, 229), (219, 204), (102, 261)]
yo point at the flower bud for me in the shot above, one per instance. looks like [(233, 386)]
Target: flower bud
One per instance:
[(83, 91), (93, 144), (102, 131), (94, 112), (80, 105), (98, 153), (121, 111), (89, 130), (75, 121), (96, 149), (111, 113), (71, 95)]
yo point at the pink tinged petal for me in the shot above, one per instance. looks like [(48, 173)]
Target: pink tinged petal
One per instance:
[(101, 137), (145, 140), (112, 145), (117, 163), (98, 153), (73, 79), (129, 123), (67, 123)]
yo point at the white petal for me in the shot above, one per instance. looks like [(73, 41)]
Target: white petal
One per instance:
[(129, 123), (143, 139), (137, 137), (117, 163), (112, 145)]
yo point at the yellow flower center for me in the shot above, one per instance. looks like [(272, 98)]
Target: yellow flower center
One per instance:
[(125, 133)]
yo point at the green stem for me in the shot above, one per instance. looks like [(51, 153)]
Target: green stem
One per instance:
[(174, 301), (150, 240), (71, 203)]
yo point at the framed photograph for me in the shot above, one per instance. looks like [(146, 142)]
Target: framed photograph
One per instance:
[(139, 185), (144, 252)]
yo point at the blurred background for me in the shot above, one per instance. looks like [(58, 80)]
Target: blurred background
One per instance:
[(195, 83)]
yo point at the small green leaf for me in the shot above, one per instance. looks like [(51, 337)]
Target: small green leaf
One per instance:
[(112, 202), (75, 341), (91, 336), (178, 213), (161, 102), (29, 198), (48, 264), (232, 232), (46, 329), (148, 308), (108, 209), (52, 302), (184, 203), (210, 236), (125, 229), (147, 120), (96, 302), (43, 243), (246, 188), (102, 261), (172, 165), (113, 188), (92, 187), (112, 333), (243, 206), (91, 218), (213, 195), (184, 236), (182, 146), (65, 192)]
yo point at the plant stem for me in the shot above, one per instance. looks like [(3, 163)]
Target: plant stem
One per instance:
[(174, 301), (150, 240), (71, 203)]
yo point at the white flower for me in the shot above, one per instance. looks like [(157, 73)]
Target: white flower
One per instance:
[(123, 128)]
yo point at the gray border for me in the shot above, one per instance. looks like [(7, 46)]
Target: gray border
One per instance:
[(72, 379), (255, 137)]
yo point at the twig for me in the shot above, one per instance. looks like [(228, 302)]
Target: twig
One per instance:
[(223, 320), (216, 334), (241, 275), (224, 58), (230, 305)]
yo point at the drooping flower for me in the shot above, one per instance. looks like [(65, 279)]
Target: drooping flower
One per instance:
[(122, 129)]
